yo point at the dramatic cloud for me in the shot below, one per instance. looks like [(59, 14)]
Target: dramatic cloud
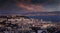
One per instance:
[(39, 5), (32, 8), (21, 6)]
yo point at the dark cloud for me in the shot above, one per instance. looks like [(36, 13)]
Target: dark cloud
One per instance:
[(40, 1), (45, 5), (10, 6), (2, 1)]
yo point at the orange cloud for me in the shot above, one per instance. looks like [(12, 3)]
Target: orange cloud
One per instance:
[(32, 8)]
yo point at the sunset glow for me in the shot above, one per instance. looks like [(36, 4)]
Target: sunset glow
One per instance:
[(32, 8)]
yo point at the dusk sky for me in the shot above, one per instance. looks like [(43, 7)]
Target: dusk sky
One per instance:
[(21, 6)]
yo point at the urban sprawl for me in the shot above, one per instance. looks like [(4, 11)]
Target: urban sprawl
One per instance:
[(24, 24)]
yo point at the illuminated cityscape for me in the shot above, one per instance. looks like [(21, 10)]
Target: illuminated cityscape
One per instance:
[(24, 24)]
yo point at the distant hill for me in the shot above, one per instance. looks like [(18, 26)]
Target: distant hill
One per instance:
[(47, 18)]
